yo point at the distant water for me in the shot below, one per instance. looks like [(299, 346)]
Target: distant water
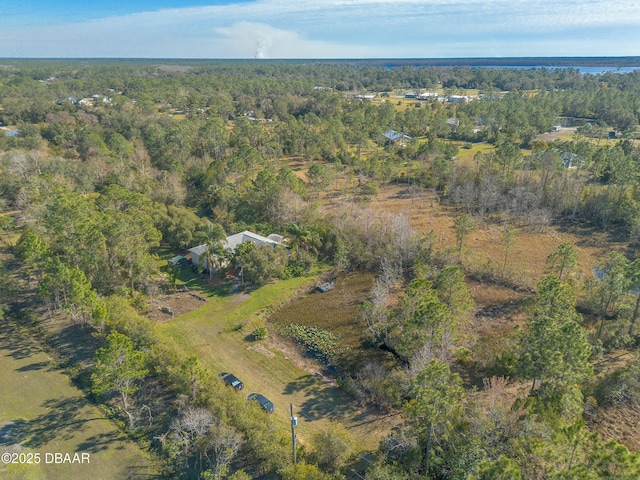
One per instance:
[(582, 69), (585, 65), (599, 70)]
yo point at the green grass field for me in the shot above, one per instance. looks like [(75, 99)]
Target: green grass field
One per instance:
[(467, 154), (42, 412), (219, 334)]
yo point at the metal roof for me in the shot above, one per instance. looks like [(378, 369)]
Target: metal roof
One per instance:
[(393, 135)]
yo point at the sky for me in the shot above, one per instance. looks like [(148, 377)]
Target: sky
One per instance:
[(282, 29)]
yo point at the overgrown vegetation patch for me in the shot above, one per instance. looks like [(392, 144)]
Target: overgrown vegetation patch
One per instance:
[(320, 343)]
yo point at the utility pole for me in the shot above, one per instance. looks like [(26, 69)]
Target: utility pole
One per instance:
[(294, 424)]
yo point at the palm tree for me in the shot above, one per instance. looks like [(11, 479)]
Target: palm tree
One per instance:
[(309, 238), (215, 252)]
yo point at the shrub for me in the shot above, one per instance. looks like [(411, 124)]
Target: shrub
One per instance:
[(333, 447), (370, 189), (260, 333), (299, 263)]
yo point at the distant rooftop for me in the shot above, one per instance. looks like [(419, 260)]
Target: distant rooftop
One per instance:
[(393, 135)]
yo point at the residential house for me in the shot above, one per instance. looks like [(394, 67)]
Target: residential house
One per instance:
[(428, 96), (231, 243), (571, 160), (393, 136), (458, 99), (453, 123)]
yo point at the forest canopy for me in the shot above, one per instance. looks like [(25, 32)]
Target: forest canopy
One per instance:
[(109, 169)]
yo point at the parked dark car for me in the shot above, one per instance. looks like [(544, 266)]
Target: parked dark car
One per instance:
[(232, 380), (266, 404)]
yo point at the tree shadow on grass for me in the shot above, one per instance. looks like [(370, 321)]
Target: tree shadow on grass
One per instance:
[(198, 283), (16, 343), (142, 472), (102, 441), (299, 384), (76, 343), (12, 433), (35, 366), (322, 401), (63, 420)]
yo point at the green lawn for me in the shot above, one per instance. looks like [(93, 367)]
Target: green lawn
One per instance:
[(467, 154), (219, 334), (42, 412)]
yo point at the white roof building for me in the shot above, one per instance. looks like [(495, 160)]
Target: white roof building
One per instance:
[(233, 241)]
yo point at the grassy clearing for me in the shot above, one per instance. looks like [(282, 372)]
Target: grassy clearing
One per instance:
[(219, 334), (41, 411), (467, 154)]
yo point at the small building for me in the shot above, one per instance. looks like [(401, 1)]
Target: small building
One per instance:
[(196, 254), (234, 240), (70, 99), (453, 123), (394, 136), (571, 160), (458, 99), (428, 96), (178, 261)]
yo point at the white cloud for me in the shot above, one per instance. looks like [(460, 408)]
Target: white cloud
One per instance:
[(344, 28)]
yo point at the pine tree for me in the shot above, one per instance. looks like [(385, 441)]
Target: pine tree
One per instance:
[(119, 367)]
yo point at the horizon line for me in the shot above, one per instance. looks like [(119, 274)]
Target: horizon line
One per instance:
[(532, 61)]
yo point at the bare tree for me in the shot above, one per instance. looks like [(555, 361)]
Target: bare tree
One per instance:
[(188, 432), (224, 444), (204, 441)]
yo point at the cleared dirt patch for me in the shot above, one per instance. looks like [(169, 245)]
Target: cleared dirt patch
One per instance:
[(262, 349), (178, 302), (564, 133)]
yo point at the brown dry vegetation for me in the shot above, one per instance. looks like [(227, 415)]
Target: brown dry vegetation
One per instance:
[(619, 423), (498, 309), (528, 255)]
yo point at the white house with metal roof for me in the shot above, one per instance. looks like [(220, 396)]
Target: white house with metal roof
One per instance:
[(232, 242)]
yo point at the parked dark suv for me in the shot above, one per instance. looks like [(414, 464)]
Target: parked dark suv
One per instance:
[(232, 380), (266, 404)]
